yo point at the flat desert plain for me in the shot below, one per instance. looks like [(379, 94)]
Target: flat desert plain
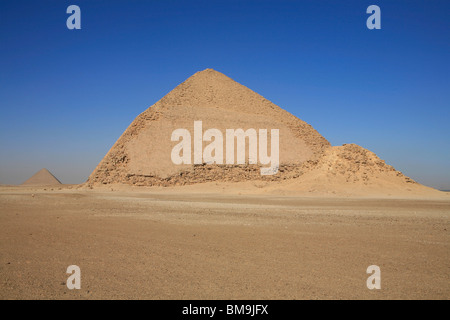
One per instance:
[(181, 243)]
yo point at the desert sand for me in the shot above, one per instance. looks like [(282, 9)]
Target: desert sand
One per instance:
[(210, 242), (142, 227)]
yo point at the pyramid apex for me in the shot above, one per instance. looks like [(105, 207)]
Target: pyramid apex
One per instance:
[(209, 71)]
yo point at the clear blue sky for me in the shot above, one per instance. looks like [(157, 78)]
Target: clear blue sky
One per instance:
[(67, 95)]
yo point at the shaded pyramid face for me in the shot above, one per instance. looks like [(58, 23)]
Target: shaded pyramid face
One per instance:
[(42, 177), (142, 155)]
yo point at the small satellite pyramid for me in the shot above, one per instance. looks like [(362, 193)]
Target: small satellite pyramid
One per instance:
[(42, 177)]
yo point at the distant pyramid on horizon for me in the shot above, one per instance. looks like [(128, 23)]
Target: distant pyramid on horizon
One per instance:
[(42, 177), (142, 155)]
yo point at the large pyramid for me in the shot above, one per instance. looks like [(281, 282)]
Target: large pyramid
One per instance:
[(42, 177), (307, 161), (142, 155)]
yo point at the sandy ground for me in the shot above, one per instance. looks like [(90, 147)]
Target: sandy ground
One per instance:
[(180, 245)]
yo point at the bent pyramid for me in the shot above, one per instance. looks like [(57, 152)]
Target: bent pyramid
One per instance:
[(308, 163), (142, 155), (42, 177)]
